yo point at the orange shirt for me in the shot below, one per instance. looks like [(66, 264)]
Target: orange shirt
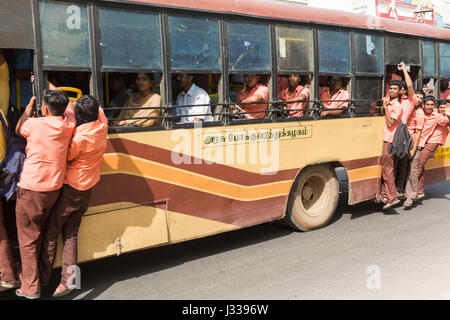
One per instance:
[(86, 152), (431, 122), (299, 91), (408, 103), (48, 140), (259, 89), (395, 110), (416, 121), (439, 134), (325, 94)]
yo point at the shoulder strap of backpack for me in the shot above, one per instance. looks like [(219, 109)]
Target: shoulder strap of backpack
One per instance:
[(5, 126)]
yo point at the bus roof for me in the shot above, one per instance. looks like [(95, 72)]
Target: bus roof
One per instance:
[(298, 12)]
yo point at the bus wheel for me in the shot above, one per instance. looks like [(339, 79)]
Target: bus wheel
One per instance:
[(313, 199)]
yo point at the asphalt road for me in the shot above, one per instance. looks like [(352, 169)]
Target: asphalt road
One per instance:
[(362, 254)]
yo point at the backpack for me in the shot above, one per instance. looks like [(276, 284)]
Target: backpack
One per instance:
[(12, 164), (401, 144)]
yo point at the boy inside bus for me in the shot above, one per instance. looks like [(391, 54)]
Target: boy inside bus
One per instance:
[(256, 94), (143, 98), (119, 92), (195, 99), (295, 92), (334, 96)]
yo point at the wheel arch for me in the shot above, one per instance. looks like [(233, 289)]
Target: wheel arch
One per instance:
[(332, 165)]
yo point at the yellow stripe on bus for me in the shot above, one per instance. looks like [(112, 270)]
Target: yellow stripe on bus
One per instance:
[(126, 164), (364, 173)]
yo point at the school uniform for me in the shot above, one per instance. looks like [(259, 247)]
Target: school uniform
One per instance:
[(430, 140), (83, 173), (42, 177), (260, 90), (388, 189), (401, 165), (416, 122)]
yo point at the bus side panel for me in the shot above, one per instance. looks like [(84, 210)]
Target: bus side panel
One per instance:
[(437, 169), (105, 232)]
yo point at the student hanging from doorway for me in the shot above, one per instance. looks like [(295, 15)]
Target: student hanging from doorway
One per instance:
[(432, 136), (83, 172), (48, 139), (393, 116)]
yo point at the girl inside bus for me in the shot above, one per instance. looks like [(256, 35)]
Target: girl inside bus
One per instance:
[(143, 98)]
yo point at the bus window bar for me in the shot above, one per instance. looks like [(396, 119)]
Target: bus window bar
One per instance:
[(276, 107)]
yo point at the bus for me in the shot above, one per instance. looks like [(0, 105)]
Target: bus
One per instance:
[(173, 182)]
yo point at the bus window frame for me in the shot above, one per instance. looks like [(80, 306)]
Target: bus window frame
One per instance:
[(96, 69), (436, 53)]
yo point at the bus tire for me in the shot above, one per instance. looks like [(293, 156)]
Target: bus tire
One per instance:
[(313, 198)]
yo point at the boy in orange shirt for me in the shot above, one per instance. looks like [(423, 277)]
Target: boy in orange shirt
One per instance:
[(393, 116), (48, 139), (83, 172)]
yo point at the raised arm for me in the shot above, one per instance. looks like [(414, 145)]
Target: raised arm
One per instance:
[(408, 80), (28, 113)]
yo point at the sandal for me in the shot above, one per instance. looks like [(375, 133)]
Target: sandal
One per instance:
[(9, 284), (31, 297), (407, 204), (61, 290)]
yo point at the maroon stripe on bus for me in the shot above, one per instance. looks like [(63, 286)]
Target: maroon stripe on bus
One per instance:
[(437, 175), (362, 190), (214, 170), (361, 163), (126, 188)]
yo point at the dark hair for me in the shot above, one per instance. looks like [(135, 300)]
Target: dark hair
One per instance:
[(86, 109), (420, 91), (149, 75), (56, 101), (430, 98), (403, 84), (398, 83)]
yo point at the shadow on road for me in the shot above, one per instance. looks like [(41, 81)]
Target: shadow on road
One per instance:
[(98, 276)]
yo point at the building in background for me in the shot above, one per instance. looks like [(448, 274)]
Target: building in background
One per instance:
[(432, 12)]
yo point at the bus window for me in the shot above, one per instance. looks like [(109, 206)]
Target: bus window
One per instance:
[(368, 53), (64, 32), (445, 59), (194, 43), (369, 95), (429, 59), (252, 90), (294, 48), (75, 83), (130, 39), (189, 90), (334, 51), (133, 90), (248, 46), (401, 49)]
